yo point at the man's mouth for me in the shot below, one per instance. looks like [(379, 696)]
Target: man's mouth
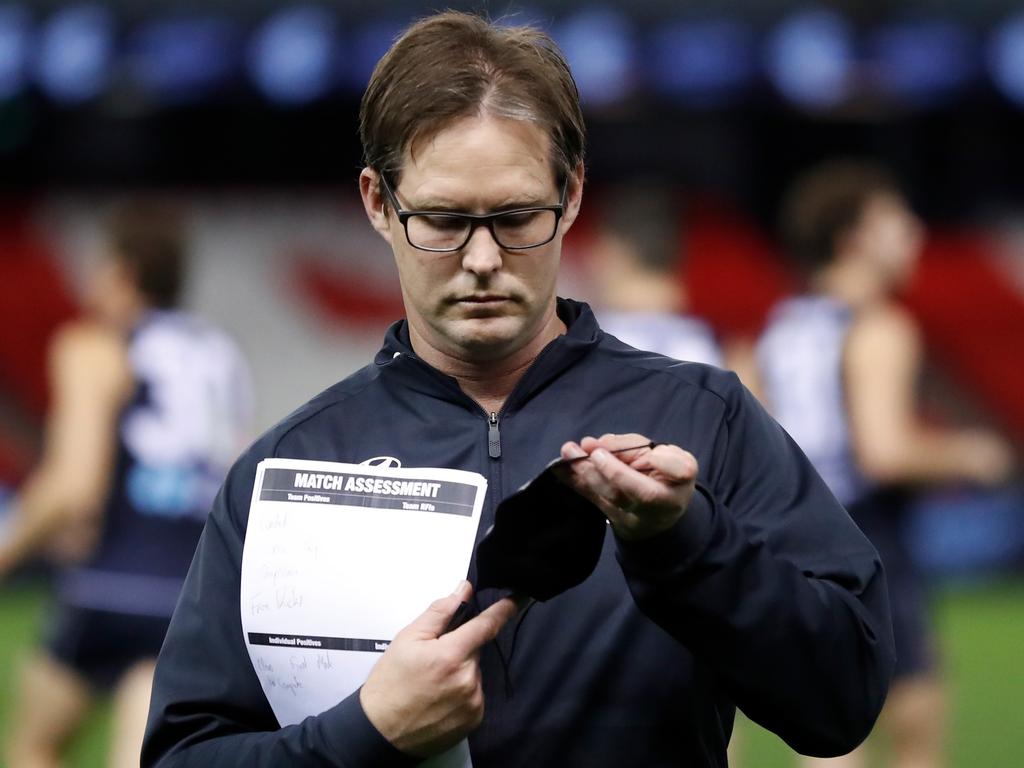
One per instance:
[(483, 299)]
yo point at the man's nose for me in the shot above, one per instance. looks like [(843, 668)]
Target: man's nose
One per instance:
[(481, 254)]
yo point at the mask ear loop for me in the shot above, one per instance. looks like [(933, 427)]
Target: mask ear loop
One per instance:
[(522, 617), (506, 663)]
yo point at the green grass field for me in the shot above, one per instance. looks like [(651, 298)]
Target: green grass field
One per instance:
[(981, 629)]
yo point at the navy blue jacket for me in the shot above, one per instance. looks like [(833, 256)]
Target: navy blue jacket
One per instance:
[(764, 595)]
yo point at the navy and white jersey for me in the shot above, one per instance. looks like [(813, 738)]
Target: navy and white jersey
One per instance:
[(677, 336), (800, 359), (184, 424)]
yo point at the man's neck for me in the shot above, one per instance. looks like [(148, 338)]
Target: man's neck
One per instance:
[(489, 381), (646, 291), (850, 282), (125, 318)]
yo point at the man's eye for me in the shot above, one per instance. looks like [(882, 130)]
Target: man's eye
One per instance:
[(516, 220), (442, 223)]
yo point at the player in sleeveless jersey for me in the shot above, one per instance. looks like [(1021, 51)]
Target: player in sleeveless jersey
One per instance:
[(838, 368), (149, 407)]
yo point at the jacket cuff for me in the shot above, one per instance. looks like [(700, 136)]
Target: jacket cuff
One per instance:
[(674, 550), (355, 741)]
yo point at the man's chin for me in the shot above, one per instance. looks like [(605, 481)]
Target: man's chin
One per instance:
[(486, 337)]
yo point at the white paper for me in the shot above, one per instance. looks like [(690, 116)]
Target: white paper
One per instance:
[(337, 559)]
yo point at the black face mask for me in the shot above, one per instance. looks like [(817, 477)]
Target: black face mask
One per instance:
[(545, 539)]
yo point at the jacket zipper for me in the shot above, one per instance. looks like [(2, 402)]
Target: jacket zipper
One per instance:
[(493, 437)]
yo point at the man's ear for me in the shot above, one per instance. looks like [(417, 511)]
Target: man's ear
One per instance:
[(377, 211), (573, 197)]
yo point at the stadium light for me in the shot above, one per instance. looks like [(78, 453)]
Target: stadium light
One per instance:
[(923, 63), (810, 58), (74, 53), (1006, 58), (702, 63), (601, 51), (292, 55), (14, 49), (184, 58)]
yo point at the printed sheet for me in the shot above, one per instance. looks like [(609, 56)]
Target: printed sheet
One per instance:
[(338, 558)]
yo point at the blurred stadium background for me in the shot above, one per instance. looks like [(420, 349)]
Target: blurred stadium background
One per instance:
[(245, 112)]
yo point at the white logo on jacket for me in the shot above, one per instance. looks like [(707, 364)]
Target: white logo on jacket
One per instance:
[(388, 462)]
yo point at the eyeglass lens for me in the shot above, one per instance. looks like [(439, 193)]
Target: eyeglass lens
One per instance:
[(440, 231)]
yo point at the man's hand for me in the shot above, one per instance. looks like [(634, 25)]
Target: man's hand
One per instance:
[(987, 458), (642, 492), (424, 694)]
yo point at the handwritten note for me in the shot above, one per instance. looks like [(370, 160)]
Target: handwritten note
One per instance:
[(337, 559)]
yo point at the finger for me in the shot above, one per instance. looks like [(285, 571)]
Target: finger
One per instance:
[(569, 453), (621, 445), (571, 450), (622, 505), (624, 483), (614, 442), (587, 481), (433, 621), (583, 477), (668, 463), (485, 627)]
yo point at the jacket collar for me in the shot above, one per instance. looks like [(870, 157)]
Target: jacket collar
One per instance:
[(397, 358)]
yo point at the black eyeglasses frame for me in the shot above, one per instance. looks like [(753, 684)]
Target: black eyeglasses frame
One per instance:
[(475, 220)]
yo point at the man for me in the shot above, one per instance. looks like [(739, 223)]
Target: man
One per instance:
[(729, 574), (636, 266), (839, 367), (149, 407)]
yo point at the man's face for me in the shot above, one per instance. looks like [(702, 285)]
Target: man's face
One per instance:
[(110, 292), (482, 302), (891, 236)]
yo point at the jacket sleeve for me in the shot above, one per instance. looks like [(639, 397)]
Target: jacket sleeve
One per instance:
[(767, 579), (207, 706)]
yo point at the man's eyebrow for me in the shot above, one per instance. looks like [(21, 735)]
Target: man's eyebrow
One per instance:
[(529, 202), (446, 205)]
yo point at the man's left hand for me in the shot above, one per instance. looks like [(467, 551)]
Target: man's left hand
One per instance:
[(642, 492)]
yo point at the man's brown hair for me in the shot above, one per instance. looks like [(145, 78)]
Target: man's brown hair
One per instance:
[(147, 238), (827, 203), (454, 65), (646, 214)]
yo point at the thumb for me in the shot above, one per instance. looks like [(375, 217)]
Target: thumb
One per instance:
[(432, 623)]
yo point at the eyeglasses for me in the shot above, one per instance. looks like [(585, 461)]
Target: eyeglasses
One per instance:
[(514, 230)]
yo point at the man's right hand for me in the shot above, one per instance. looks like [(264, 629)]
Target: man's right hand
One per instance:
[(425, 695), (987, 458)]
